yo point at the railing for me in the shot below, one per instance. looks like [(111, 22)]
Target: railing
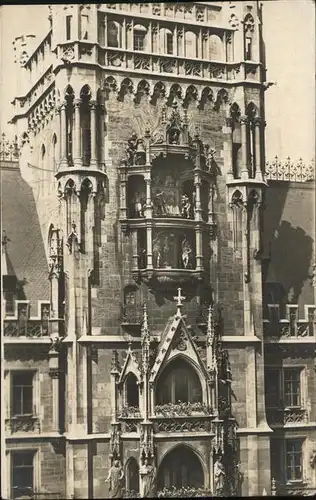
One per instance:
[(184, 492), (22, 325), (170, 65), (283, 416), (9, 150), (182, 409), (291, 326), (289, 170)]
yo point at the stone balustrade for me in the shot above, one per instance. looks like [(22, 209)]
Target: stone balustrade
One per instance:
[(291, 326), (22, 324)]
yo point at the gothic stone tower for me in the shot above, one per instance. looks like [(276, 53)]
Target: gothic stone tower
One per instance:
[(150, 124)]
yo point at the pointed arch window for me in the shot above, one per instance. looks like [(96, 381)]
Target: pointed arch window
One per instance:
[(248, 37), (131, 391), (179, 382), (85, 123), (69, 97), (132, 476), (114, 34), (54, 153)]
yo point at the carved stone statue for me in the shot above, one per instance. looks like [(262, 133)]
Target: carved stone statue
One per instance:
[(159, 203), (186, 254), (149, 480), (115, 477), (138, 205), (174, 136), (157, 257), (186, 207), (219, 477)]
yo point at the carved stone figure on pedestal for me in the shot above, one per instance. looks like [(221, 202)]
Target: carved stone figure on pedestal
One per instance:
[(115, 477), (174, 136), (138, 205), (157, 257), (149, 480), (186, 207), (186, 254), (159, 203), (219, 477)]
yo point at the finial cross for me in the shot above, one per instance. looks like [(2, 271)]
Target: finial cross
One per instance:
[(179, 298), (5, 239)]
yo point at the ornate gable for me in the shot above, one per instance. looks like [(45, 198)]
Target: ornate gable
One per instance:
[(130, 365), (177, 340)]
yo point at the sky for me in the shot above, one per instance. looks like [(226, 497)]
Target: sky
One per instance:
[(289, 33)]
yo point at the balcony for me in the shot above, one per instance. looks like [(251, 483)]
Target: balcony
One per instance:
[(286, 416), (130, 418), (21, 325), (291, 327), (184, 492), (183, 417)]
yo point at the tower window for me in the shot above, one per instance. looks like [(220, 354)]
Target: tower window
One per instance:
[(294, 467), (22, 474), (68, 27), (22, 393), (169, 43)]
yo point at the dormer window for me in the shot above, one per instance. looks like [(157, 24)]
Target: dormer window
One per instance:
[(140, 33)]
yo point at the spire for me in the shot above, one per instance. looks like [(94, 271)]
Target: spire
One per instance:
[(145, 340)]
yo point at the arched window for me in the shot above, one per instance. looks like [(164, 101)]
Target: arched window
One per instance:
[(54, 153), (131, 391), (190, 44), (114, 34), (216, 48), (43, 164), (68, 27), (84, 27), (132, 476), (166, 40), (140, 34), (249, 25), (178, 382), (85, 122), (236, 139), (180, 468), (69, 97), (251, 113)]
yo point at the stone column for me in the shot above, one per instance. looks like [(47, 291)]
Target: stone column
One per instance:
[(197, 208), (77, 137), (63, 135), (123, 208), (228, 149), (134, 250), (149, 234), (244, 156), (199, 248), (54, 372), (149, 210), (93, 132), (257, 133)]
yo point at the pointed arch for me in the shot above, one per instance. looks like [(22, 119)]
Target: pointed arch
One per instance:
[(251, 110), (132, 475), (206, 96), (181, 466), (131, 390), (179, 381)]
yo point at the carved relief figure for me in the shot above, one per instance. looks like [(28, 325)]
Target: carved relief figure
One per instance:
[(167, 256), (131, 148), (219, 476), (149, 480), (186, 207), (186, 254), (115, 477)]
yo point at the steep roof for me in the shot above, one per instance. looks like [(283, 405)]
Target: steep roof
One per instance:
[(25, 249)]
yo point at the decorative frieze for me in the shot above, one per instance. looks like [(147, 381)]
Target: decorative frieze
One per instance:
[(291, 326), (183, 425), (24, 423), (287, 416)]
